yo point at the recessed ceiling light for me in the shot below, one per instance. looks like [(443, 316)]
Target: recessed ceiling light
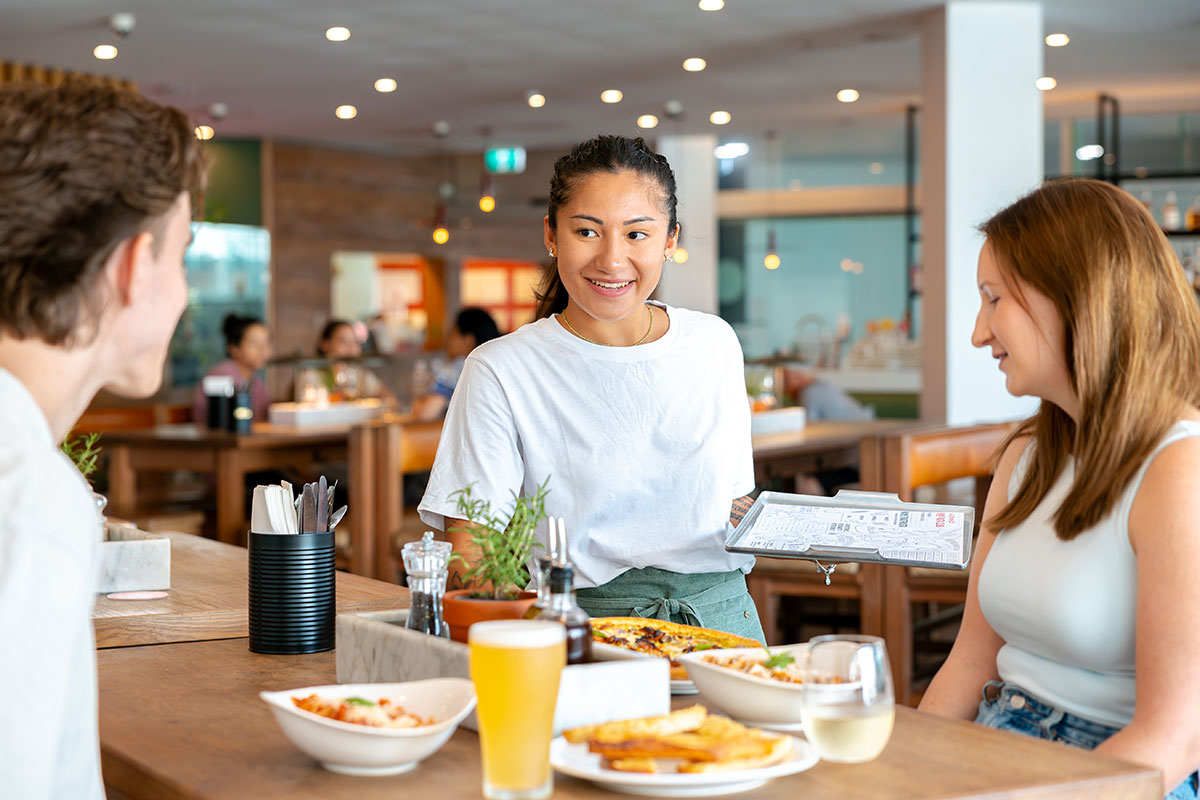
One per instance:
[(1057, 39), (337, 34), (731, 150), (712, 5), (847, 95), (535, 99), (204, 132), (720, 117), (1089, 152), (611, 95), (647, 121), (1045, 83), (695, 64), (385, 85), (105, 52), (346, 112)]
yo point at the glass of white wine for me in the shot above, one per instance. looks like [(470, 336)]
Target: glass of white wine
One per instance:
[(847, 705)]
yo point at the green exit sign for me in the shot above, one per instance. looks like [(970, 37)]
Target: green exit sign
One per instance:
[(501, 160)]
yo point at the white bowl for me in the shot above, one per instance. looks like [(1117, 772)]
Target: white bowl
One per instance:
[(363, 750), (747, 697)]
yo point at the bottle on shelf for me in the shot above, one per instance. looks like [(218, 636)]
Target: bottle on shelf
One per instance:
[(1191, 220), (564, 608), (1172, 220), (1148, 200)]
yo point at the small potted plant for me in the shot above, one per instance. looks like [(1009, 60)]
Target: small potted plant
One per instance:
[(504, 547), (84, 454)]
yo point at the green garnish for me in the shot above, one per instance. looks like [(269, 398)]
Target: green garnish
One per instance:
[(359, 701), (704, 646), (777, 660)]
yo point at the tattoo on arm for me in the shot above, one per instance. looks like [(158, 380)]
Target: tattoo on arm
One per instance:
[(740, 507)]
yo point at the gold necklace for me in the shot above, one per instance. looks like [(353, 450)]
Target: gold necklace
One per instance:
[(645, 335)]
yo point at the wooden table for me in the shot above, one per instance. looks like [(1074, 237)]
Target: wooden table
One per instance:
[(207, 599), (230, 456), (820, 446), (185, 721)]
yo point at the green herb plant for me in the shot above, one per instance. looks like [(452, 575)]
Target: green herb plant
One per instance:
[(504, 545), (83, 452)]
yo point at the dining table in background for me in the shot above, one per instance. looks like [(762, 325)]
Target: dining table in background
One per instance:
[(821, 445), (208, 599), (184, 721), (230, 457)]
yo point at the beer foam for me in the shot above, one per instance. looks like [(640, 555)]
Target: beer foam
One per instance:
[(517, 633)]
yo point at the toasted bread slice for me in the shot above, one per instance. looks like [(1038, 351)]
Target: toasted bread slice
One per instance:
[(685, 719), (777, 751), (677, 745), (646, 765)]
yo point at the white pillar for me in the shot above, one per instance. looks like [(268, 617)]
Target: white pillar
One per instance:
[(981, 149), (693, 284)]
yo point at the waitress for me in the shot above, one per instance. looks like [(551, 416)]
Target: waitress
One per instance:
[(635, 410)]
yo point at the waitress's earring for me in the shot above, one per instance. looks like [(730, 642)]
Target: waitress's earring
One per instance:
[(670, 258), (551, 252)]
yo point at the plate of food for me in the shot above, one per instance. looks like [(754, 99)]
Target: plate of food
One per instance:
[(615, 638), (687, 753)]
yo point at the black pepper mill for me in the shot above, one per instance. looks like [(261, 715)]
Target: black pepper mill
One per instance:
[(426, 564)]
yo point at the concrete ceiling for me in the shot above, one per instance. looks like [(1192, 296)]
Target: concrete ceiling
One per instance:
[(774, 64)]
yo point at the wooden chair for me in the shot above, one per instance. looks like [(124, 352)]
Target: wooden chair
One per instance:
[(930, 456), (775, 578), (401, 449)]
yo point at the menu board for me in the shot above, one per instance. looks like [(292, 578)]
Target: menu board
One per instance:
[(856, 526)]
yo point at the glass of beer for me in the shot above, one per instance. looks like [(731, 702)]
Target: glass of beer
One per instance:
[(847, 705), (516, 665)]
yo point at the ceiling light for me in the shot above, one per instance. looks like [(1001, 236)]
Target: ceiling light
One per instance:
[(719, 117), (441, 235), (1089, 152), (847, 95), (611, 95), (771, 261), (731, 150), (535, 99), (346, 112), (712, 5), (681, 255), (204, 132), (105, 52), (1057, 39), (695, 64), (337, 34), (647, 121), (385, 85), (1046, 83), (487, 204)]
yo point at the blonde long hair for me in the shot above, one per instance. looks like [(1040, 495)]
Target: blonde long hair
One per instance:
[(1132, 330)]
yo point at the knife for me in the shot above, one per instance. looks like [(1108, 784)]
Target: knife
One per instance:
[(322, 505), (308, 509)]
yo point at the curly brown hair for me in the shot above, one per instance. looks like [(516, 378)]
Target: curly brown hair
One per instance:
[(83, 167)]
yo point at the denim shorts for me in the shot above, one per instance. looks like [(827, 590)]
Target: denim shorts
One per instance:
[(1011, 708)]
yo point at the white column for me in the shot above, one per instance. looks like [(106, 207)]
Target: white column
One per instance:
[(981, 149), (693, 284)]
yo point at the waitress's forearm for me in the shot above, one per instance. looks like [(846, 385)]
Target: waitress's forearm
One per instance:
[(739, 509), (459, 535)]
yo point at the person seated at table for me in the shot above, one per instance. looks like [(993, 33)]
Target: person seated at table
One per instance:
[(635, 410), (824, 401), (95, 202), (472, 327), (248, 345), (340, 344), (1082, 622)]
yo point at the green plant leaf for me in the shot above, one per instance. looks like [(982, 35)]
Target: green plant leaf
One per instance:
[(777, 660), (504, 545), (358, 701)]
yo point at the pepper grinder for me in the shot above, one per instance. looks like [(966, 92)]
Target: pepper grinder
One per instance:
[(426, 563)]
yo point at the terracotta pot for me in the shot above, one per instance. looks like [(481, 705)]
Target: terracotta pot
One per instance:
[(461, 611)]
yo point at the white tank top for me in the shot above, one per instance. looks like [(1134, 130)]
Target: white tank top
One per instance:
[(1067, 610)]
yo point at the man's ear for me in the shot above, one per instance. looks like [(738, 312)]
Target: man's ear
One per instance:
[(128, 267)]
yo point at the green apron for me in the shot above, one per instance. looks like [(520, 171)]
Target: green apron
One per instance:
[(717, 600)]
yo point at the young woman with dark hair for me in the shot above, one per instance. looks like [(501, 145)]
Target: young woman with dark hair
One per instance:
[(1082, 623), (248, 345), (634, 409), (472, 327)]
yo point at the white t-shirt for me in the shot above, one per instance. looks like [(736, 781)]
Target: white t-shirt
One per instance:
[(646, 447), (1067, 611), (49, 547)]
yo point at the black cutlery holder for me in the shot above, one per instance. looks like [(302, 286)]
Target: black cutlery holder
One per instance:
[(292, 597)]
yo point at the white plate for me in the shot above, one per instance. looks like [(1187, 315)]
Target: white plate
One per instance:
[(610, 652), (781, 727), (576, 761)]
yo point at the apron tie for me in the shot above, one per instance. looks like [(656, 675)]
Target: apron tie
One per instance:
[(664, 607)]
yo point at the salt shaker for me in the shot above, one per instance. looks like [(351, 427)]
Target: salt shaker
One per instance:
[(426, 563)]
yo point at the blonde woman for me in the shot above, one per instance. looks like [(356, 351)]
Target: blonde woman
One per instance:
[(1082, 622)]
